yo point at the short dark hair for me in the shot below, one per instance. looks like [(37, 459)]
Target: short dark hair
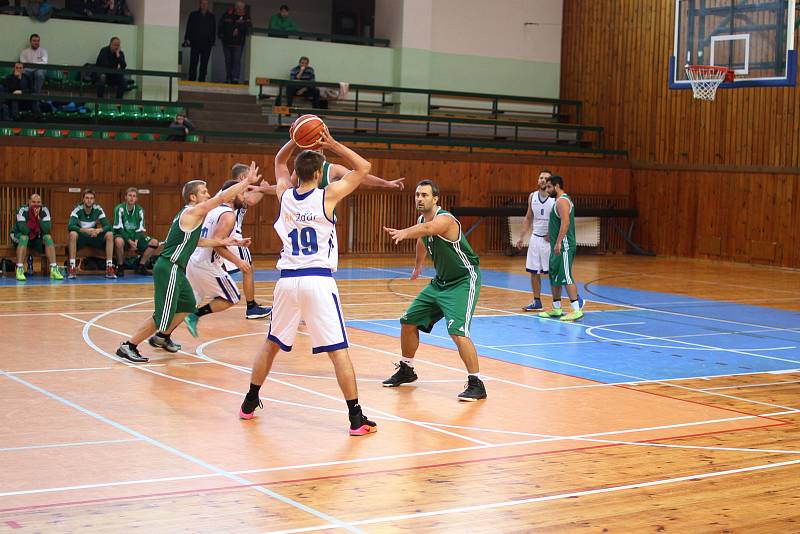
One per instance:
[(32, 36), (547, 171), (190, 189), (434, 187), (88, 191), (556, 181), (229, 183), (302, 58), (239, 170), (114, 38), (283, 6), (307, 163), (131, 189)]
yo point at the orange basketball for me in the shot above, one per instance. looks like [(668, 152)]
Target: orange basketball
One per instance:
[(307, 130)]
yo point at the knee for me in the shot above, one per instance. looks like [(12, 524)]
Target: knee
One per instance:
[(119, 241), (73, 235), (108, 236), (153, 243)]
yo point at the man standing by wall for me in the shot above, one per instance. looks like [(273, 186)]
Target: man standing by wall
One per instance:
[(200, 37), (233, 28)]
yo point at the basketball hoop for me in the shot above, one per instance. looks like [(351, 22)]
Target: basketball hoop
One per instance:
[(705, 79)]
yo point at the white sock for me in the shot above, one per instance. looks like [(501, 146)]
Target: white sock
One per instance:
[(72, 262), (53, 265), (575, 305), (20, 266), (476, 375), (556, 304), (109, 263), (408, 361)]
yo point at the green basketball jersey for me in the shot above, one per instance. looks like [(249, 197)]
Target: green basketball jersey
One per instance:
[(179, 244), (128, 222), (326, 178), (555, 226), (80, 219), (453, 260)]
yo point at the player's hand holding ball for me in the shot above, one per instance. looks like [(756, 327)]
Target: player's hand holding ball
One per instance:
[(307, 131)]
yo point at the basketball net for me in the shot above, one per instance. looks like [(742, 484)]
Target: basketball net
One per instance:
[(705, 79)]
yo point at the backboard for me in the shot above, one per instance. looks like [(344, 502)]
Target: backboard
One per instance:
[(754, 38)]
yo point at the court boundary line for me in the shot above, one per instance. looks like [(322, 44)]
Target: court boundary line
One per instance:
[(183, 455), (69, 444)]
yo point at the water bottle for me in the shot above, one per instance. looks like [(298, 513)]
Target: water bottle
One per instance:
[(30, 264)]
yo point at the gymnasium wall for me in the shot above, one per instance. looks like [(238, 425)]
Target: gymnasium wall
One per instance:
[(710, 179), (55, 166), (68, 42)]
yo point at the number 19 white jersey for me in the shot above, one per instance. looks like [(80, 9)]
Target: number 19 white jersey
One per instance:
[(308, 236)]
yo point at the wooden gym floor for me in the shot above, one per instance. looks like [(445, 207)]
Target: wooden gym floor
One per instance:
[(673, 406)]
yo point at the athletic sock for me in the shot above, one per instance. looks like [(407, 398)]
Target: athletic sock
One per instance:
[(476, 375), (72, 262), (53, 265), (353, 407), (253, 393), (575, 305), (162, 335), (131, 345), (204, 310), (109, 263), (251, 304), (408, 361), (557, 304), (20, 266)]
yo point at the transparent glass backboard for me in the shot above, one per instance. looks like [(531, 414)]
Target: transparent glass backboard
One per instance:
[(754, 38)]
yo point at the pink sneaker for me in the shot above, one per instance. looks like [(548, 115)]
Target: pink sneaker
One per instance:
[(361, 426), (248, 408)]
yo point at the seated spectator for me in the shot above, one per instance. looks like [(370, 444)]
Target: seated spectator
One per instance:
[(32, 232), (17, 83), (182, 127), (129, 233), (232, 31), (305, 73), (35, 54), (111, 57), (42, 10), (281, 20), (89, 227)]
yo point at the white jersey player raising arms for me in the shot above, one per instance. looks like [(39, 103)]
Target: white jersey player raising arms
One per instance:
[(251, 198), (206, 272), (538, 262), (306, 289)]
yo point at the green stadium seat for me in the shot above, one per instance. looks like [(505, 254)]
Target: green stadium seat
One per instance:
[(124, 136), (101, 135), (107, 111), (5, 132), (146, 137), (56, 78), (153, 113), (171, 111), (53, 133), (130, 112), (193, 139), (29, 132), (77, 134)]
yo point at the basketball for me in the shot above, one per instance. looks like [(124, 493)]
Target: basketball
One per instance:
[(307, 130)]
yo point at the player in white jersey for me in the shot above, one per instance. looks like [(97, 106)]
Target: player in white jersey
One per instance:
[(251, 198), (306, 289), (539, 207), (206, 272)]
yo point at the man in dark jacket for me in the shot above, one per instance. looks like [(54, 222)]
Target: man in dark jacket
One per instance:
[(232, 31), (111, 57), (200, 36), (17, 83), (305, 73)]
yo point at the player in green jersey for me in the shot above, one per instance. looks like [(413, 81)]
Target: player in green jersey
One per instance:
[(129, 233), (89, 227), (452, 294), (561, 229), (32, 232), (173, 296)]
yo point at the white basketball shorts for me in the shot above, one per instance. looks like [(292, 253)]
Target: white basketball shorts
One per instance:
[(239, 252), (538, 261), (211, 284), (314, 299)]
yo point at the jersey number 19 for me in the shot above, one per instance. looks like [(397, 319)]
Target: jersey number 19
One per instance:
[(305, 242)]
